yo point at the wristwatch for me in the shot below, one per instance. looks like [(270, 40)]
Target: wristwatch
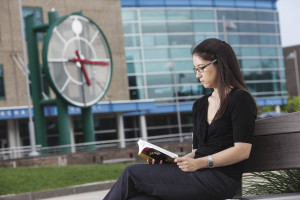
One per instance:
[(210, 162)]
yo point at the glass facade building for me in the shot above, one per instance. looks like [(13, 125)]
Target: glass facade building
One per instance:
[(158, 35)]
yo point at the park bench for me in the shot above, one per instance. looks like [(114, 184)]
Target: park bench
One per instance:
[(276, 146)]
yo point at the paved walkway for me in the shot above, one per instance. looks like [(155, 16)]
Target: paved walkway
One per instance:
[(83, 196)]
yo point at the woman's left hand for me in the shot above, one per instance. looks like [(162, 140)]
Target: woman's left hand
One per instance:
[(187, 164)]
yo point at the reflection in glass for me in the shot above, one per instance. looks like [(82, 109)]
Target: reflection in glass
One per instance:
[(203, 14), (204, 27), (129, 15), (157, 27), (186, 78), (156, 53), (233, 39), (159, 40), (136, 81), (265, 16), (180, 53), (130, 28), (180, 27), (264, 87), (132, 41), (133, 68), (268, 51), (164, 79), (267, 39), (266, 28), (191, 90), (179, 14), (133, 54), (269, 63), (250, 63), (247, 27), (249, 51), (156, 66), (162, 66), (153, 14), (137, 94), (229, 14), (246, 15), (261, 75), (161, 92), (181, 39), (249, 39)]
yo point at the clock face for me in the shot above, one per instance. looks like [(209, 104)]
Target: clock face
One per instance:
[(77, 60)]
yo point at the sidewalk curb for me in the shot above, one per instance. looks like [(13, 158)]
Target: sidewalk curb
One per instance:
[(91, 187)]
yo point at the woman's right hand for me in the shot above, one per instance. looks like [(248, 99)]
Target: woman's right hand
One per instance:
[(152, 161)]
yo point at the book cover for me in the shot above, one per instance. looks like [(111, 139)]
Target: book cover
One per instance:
[(151, 151)]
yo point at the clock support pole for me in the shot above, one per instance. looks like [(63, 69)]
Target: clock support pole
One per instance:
[(88, 126), (36, 88), (35, 77)]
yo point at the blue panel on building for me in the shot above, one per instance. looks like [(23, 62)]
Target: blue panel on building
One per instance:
[(197, 3), (176, 3), (133, 108), (225, 3), (245, 4), (252, 4), (152, 3)]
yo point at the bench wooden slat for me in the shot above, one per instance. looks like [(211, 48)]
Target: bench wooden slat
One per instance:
[(276, 144), (274, 153), (287, 123)]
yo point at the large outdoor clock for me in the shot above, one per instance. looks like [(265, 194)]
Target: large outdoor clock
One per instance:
[(77, 60)]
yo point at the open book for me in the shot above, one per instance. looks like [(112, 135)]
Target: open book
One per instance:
[(151, 151)]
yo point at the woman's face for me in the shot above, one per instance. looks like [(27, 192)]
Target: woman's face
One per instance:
[(208, 77)]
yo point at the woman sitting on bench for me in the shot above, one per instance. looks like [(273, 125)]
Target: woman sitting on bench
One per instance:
[(222, 139)]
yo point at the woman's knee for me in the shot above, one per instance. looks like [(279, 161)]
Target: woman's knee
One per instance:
[(132, 169)]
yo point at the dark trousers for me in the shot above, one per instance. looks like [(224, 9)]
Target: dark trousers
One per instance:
[(164, 182)]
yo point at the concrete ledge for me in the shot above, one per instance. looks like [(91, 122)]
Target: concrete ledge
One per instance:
[(119, 160), (91, 187)]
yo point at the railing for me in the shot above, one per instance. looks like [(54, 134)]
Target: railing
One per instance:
[(24, 151), (16, 152)]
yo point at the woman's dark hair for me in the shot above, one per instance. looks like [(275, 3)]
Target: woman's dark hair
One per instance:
[(229, 75)]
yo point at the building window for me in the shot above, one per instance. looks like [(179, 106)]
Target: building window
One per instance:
[(3, 134), (24, 132), (38, 14), (2, 88)]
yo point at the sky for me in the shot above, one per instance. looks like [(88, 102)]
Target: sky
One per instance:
[(289, 19)]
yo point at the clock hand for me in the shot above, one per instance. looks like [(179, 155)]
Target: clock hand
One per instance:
[(83, 68), (89, 61)]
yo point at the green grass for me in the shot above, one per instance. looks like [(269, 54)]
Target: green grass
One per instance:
[(21, 180)]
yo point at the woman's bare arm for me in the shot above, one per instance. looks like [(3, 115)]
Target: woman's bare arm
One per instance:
[(239, 152)]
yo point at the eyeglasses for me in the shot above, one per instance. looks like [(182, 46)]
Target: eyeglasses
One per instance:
[(201, 69)]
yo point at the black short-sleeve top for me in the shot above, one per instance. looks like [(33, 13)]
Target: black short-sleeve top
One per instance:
[(236, 125)]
